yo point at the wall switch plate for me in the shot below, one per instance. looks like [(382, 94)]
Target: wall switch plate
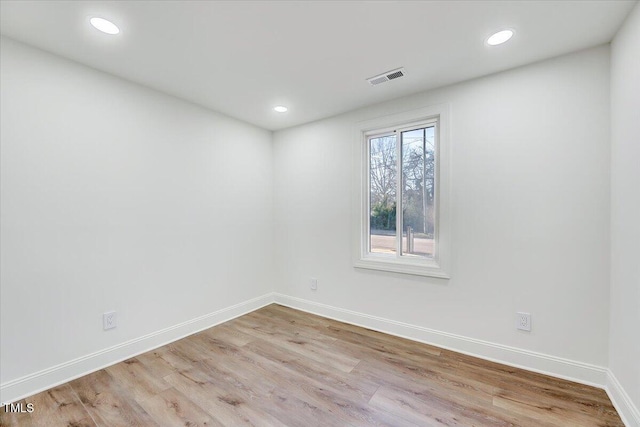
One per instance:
[(109, 320), (523, 321), (314, 284)]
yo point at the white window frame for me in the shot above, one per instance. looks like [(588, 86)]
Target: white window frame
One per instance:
[(439, 265)]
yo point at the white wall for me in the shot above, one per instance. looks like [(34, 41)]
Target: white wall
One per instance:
[(116, 197), (624, 356), (530, 213)]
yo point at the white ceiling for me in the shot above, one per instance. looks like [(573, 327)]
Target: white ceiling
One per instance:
[(243, 58)]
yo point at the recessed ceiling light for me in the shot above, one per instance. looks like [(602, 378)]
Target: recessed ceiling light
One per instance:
[(500, 37), (281, 109), (104, 25)]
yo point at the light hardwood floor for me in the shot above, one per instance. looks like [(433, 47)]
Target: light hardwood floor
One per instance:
[(278, 366)]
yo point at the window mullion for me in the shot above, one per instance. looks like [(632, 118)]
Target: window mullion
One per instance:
[(399, 207), (436, 188), (424, 182), (367, 196)]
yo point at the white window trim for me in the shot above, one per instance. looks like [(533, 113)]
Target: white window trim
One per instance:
[(438, 266)]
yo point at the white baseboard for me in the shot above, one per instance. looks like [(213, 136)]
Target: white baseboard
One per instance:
[(558, 367), (64, 372), (571, 370), (537, 362), (626, 409)]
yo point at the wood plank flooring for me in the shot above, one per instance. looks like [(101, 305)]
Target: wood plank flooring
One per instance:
[(282, 367)]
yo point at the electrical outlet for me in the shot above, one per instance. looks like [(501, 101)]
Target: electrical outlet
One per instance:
[(313, 283), (523, 321), (109, 320)]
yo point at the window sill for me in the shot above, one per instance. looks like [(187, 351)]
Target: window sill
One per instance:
[(429, 269)]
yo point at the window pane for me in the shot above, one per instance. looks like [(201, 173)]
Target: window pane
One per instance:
[(418, 213), (382, 195)]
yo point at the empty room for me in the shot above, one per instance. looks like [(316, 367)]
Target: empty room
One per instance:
[(320, 213)]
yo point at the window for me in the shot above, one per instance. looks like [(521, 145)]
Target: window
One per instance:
[(402, 194)]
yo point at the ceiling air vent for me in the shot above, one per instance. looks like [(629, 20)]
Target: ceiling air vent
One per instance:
[(385, 77)]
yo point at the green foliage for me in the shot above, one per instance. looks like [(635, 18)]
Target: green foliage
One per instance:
[(383, 216)]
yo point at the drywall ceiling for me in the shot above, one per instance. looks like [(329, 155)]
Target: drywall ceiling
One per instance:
[(242, 58)]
